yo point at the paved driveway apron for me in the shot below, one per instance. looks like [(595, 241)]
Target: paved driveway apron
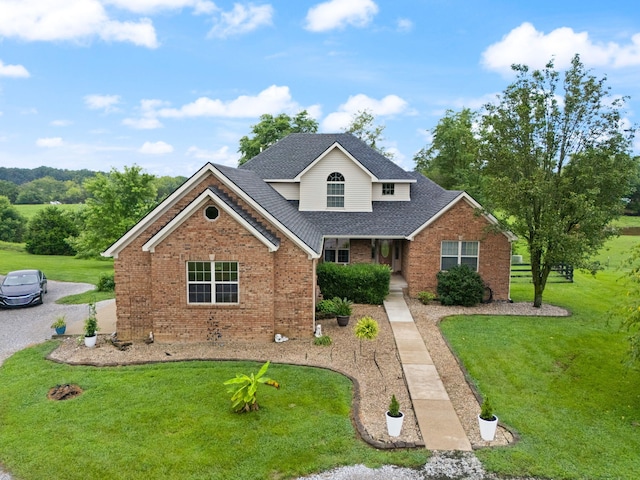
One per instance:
[(21, 327)]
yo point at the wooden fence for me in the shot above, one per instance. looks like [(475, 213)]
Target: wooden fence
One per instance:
[(521, 273)]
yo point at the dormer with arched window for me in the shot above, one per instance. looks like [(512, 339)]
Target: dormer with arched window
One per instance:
[(335, 190)]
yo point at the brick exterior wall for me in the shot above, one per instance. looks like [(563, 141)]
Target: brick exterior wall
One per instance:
[(421, 257), (360, 251), (275, 288)]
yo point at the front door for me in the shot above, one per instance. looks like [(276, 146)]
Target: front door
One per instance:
[(385, 252)]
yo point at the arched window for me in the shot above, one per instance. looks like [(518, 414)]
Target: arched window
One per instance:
[(335, 190)]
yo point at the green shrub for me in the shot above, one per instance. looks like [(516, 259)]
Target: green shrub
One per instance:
[(366, 283), (326, 306), (342, 306), (48, 230), (324, 340), (426, 297), (106, 283), (460, 285)]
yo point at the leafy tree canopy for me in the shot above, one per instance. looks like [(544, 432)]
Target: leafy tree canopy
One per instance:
[(557, 162), (363, 126), (270, 129), (453, 159), (117, 202), (12, 224)]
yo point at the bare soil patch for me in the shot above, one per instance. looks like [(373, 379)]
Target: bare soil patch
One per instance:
[(64, 392)]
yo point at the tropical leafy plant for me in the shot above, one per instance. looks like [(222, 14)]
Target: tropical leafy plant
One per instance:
[(244, 398), (59, 323), (342, 306)]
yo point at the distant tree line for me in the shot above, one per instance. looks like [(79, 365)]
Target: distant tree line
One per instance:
[(111, 204)]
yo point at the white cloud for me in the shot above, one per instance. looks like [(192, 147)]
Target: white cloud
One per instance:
[(61, 123), (102, 102), (242, 19), (148, 116), (389, 105), (340, 13), (221, 156), (404, 25), (273, 99), (155, 148), (53, 20), (526, 45), (15, 71), (50, 142), (151, 6)]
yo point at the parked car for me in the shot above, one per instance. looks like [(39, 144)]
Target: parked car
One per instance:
[(22, 288)]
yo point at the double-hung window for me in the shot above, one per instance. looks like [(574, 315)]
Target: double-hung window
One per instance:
[(212, 282), (335, 190), (336, 250), (459, 253)]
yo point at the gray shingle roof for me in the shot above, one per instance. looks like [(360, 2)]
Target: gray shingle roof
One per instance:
[(264, 231), (388, 219), (288, 157), (263, 194)]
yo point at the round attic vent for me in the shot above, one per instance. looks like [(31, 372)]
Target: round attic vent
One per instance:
[(211, 212)]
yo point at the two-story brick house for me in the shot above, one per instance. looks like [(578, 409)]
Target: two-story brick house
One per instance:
[(233, 251)]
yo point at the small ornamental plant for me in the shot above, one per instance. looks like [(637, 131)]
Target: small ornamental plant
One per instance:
[(342, 306), (426, 297), (245, 388), (59, 323), (486, 411), (394, 407), (91, 323), (324, 340)]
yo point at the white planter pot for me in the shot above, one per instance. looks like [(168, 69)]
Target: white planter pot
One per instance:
[(488, 428), (394, 424), (90, 341)]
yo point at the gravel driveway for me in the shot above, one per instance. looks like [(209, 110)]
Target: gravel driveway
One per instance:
[(21, 327)]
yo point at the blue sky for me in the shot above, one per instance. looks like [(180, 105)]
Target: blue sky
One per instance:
[(172, 84)]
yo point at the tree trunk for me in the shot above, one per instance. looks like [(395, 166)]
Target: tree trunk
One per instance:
[(539, 273)]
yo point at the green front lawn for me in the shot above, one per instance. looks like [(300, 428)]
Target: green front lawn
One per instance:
[(174, 421), (560, 383)]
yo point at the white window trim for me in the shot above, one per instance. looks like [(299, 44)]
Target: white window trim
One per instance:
[(213, 282), (391, 187), (459, 256), (332, 196)]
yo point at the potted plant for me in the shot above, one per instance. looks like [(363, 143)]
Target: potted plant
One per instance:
[(487, 421), (91, 327), (394, 418), (59, 325), (343, 310)]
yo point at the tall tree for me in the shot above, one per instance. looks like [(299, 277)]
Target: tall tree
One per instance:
[(48, 231), (453, 160), (557, 164), (270, 129), (118, 200), (12, 224), (363, 126)]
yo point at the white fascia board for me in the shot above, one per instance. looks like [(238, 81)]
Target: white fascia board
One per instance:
[(325, 153), (198, 203), (463, 196), (157, 212), (396, 180)]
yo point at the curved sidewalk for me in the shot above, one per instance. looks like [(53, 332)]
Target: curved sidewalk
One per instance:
[(439, 424)]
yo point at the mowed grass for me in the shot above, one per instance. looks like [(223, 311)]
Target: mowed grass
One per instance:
[(174, 421), (561, 383), (29, 211), (56, 267)]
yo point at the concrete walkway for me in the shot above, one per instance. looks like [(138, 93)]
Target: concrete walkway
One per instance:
[(439, 424)]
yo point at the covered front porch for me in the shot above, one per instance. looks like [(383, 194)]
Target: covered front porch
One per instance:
[(383, 251)]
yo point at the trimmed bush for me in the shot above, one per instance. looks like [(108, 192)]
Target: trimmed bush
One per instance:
[(48, 230), (460, 285), (360, 282), (106, 283)]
